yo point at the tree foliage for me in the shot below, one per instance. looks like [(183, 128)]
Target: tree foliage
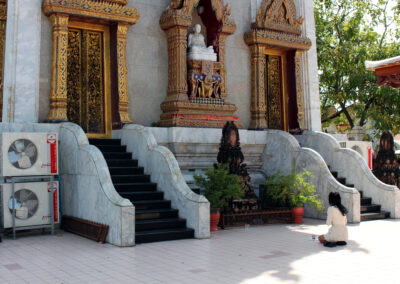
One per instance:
[(349, 32)]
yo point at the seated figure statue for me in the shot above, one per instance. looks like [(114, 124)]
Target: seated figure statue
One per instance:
[(197, 47)]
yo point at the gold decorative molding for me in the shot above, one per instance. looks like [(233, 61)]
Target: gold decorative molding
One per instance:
[(123, 99), (276, 28), (58, 87), (299, 90), (177, 109), (258, 104), (279, 15), (109, 11)]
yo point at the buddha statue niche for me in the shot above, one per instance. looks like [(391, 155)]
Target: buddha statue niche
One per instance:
[(197, 49)]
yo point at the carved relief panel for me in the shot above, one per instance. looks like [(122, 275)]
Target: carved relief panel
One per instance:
[(274, 113), (87, 91)]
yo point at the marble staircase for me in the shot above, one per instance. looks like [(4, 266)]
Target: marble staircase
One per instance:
[(368, 210), (155, 219)]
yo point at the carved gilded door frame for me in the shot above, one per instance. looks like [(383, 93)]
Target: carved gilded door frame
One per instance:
[(105, 30), (283, 81), (276, 28), (112, 13)]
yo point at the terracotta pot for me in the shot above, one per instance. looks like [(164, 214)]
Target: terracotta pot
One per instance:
[(214, 219), (298, 215)]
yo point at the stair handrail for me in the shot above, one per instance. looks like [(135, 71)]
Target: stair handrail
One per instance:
[(282, 148), (388, 196), (160, 162), (87, 189)]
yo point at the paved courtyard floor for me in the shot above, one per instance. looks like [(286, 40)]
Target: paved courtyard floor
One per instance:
[(258, 254)]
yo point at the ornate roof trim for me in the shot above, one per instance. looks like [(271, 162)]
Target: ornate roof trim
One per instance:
[(276, 25), (278, 15), (272, 38), (93, 9), (179, 12)]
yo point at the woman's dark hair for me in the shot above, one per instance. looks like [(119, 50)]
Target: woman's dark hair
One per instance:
[(335, 200)]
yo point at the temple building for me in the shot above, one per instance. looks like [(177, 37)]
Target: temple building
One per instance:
[(164, 77)]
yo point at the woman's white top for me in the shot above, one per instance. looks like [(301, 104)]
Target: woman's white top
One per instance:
[(338, 230)]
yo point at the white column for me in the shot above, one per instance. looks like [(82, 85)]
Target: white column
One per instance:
[(312, 105), (22, 61)]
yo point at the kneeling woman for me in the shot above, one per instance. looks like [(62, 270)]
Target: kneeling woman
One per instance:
[(337, 234)]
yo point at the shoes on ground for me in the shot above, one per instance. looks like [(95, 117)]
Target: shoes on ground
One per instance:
[(341, 243), (329, 245)]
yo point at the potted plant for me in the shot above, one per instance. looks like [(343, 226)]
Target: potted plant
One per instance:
[(220, 187), (295, 190)]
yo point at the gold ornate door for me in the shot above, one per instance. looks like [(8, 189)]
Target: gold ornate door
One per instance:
[(275, 91), (88, 78)]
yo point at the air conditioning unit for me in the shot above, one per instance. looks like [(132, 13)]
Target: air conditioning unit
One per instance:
[(28, 154), (31, 203), (364, 148)]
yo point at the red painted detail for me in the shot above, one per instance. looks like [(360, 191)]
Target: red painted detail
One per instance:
[(370, 158), (52, 140)]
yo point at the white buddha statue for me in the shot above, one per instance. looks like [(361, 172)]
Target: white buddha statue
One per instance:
[(197, 47)]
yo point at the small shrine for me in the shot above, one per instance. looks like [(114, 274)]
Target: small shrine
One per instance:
[(251, 209), (197, 93), (386, 165)]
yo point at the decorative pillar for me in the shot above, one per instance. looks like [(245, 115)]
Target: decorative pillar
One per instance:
[(258, 104), (299, 90), (58, 87), (123, 97), (177, 71)]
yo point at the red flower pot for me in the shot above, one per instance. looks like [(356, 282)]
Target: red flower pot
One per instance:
[(214, 219), (298, 215)]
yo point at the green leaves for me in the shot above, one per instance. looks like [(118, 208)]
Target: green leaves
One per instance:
[(349, 32), (294, 188), (220, 186)]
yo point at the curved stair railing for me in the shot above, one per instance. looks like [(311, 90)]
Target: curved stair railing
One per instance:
[(282, 148), (87, 188), (165, 171), (350, 165)]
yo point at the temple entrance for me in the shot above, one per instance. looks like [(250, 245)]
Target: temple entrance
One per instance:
[(275, 91), (88, 78)]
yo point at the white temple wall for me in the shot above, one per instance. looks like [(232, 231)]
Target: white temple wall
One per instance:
[(22, 62), (147, 59)]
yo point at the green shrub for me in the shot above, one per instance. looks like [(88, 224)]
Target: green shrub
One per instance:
[(220, 186), (294, 189)]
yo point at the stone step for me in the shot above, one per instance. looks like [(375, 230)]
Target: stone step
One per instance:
[(156, 214), (111, 148), (366, 200), (163, 235), (370, 208), (117, 155), (133, 187), (335, 174), (95, 141), (142, 195), (121, 163), (341, 180), (375, 216), (126, 170), (157, 224), (130, 178), (152, 204)]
